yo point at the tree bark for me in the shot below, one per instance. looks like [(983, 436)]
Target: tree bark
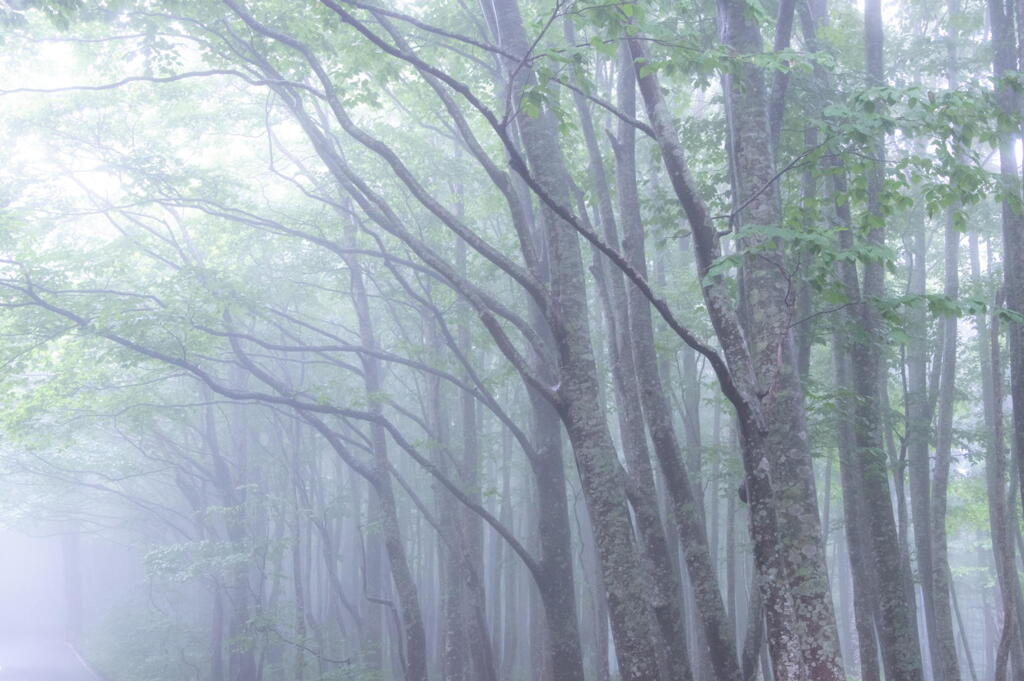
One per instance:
[(682, 497), (578, 391), (769, 313)]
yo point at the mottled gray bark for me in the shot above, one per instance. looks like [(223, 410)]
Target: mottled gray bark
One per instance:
[(685, 506), (897, 619), (666, 590), (578, 390), (769, 315), (739, 384)]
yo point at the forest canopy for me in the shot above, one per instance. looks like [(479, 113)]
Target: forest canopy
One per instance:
[(560, 340)]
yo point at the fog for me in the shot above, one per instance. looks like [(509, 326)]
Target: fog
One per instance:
[(511, 340), (42, 582), (34, 599)]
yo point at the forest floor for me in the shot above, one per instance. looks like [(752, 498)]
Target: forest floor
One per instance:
[(41, 659)]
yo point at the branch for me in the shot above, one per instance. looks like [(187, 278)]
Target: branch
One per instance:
[(164, 79)]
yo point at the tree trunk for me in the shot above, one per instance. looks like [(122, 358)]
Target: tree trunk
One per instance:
[(1005, 64), (657, 410), (897, 619), (773, 351), (666, 596), (578, 389), (415, 653), (944, 658)]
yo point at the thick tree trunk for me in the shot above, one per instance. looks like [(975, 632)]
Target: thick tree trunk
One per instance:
[(773, 351), (578, 388), (740, 384)]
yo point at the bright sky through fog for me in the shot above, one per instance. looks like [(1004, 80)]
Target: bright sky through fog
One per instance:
[(55, 64), (58, 64)]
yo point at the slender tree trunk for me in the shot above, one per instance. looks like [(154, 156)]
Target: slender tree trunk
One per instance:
[(454, 637), (510, 624), (1001, 542), (858, 539), (918, 430), (1007, 62), (945, 658), (299, 595), (996, 476), (471, 525), (415, 653), (897, 619), (1005, 46), (666, 590), (681, 494)]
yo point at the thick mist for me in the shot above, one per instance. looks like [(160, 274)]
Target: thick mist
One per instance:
[(53, 587), (511, 340)]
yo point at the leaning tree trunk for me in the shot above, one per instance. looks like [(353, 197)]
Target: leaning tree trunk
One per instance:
[(657, 409), (405, 584), (578, 390), (738, 379), (665, 582)]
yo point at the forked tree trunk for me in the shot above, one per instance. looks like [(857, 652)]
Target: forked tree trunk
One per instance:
[(684, 505), (578, 390), (772, 348)]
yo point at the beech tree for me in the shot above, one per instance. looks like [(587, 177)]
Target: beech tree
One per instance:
[(519, 340)]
